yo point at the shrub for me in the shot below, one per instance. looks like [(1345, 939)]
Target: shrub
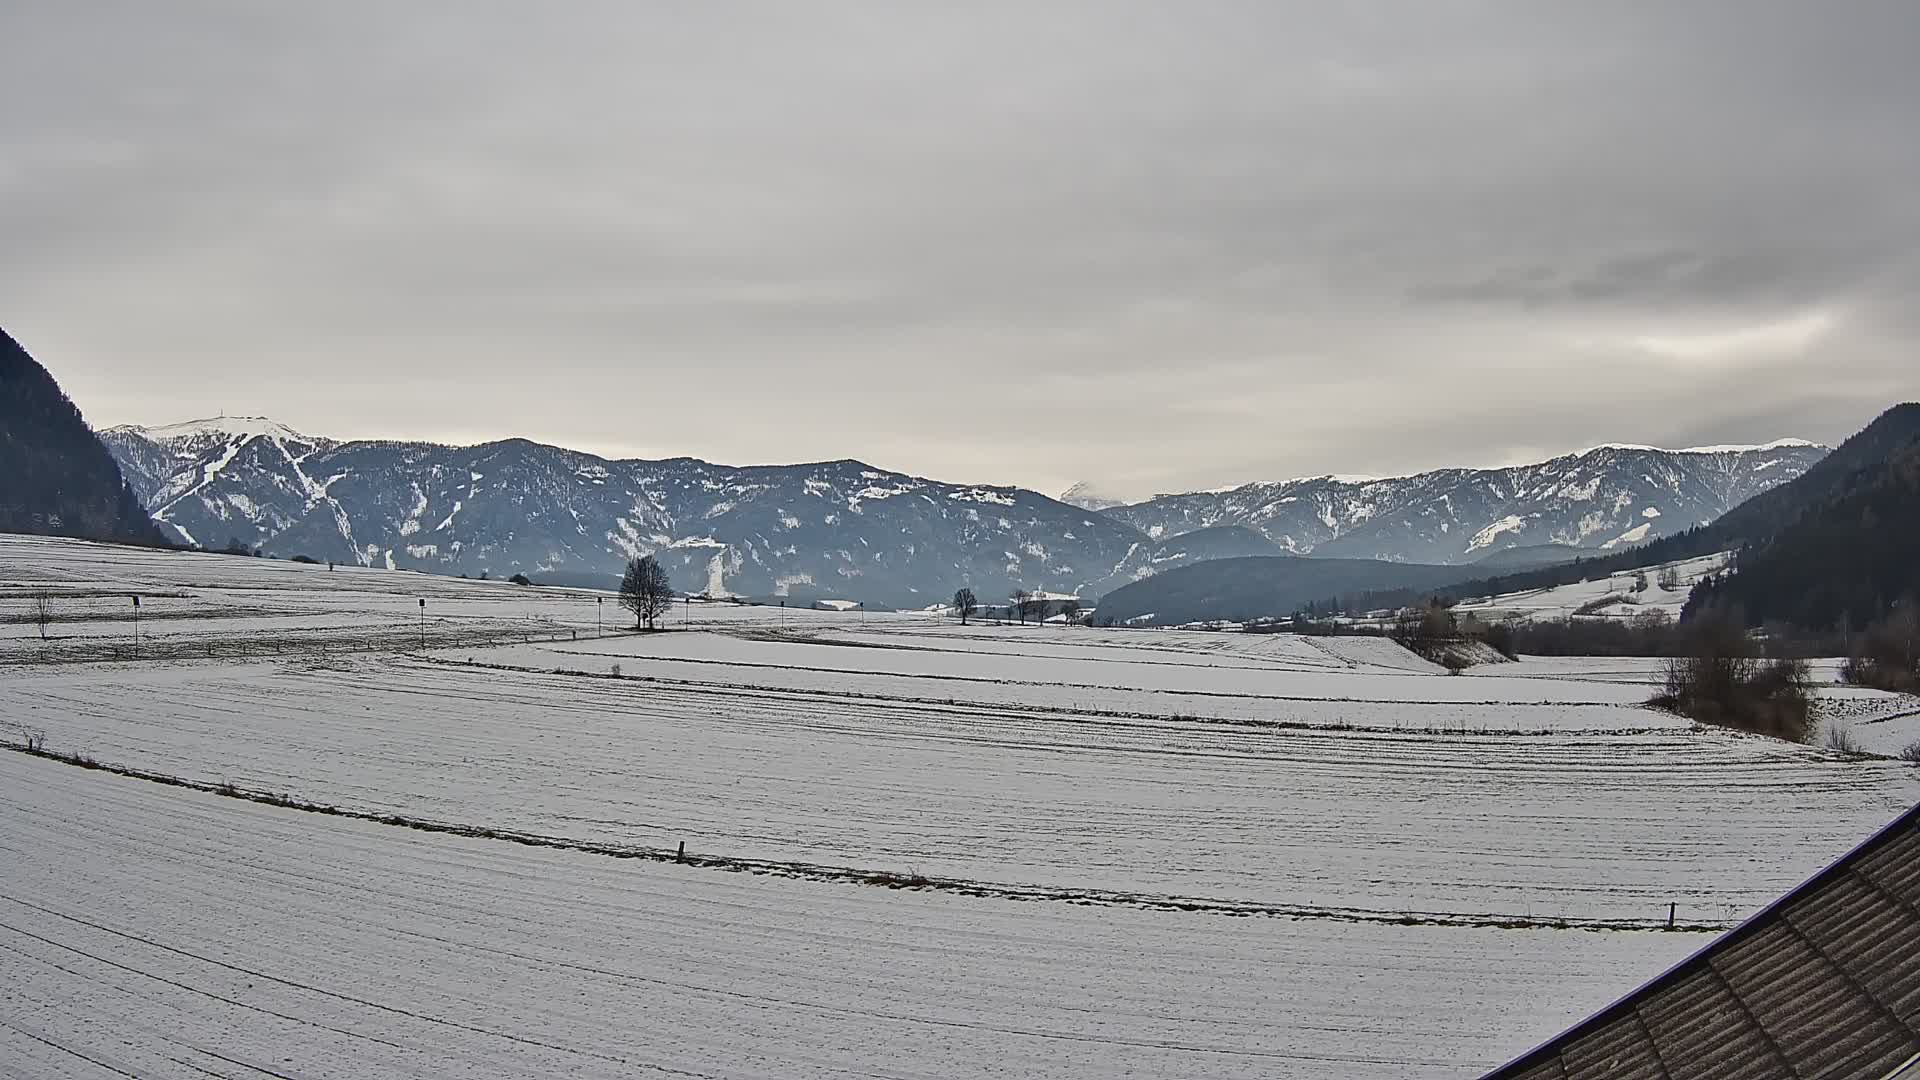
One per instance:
[(1502, 638), (1454, 662), (1721, 680), (1911, 752), (1594, 606), (520, 579), (1887, 656), (1840, 737), (308, 559)]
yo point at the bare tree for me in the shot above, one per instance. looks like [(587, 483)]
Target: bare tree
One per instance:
[(42, 613), (1070, 608), (1669, 579), (965, 603), (1021, 598), (646, 590)]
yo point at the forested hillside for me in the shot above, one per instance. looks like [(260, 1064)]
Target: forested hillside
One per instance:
[(56, 479), (1843, 564)]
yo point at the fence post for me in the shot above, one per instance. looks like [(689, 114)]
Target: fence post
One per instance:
[(682, 855), (1671, 908)]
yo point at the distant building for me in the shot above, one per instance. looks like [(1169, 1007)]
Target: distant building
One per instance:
[(1825, 982)]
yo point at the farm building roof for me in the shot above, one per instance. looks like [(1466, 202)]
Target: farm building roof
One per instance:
[(1825, 982)]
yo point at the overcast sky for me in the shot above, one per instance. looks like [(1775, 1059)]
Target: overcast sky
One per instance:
[(1155, 246)]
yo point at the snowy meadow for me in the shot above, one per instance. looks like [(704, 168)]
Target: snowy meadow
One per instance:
[(332, 831)]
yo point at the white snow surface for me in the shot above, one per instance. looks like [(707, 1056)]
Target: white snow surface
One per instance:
[(1435, 872), (223, 427), (221, 936), (1565, 601)]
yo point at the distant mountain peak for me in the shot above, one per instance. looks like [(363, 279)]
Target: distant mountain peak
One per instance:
[(224, 427), (1088, 497)]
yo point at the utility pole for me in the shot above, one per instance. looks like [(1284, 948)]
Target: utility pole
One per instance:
[(423, 624), (136, 626), (599, 605)]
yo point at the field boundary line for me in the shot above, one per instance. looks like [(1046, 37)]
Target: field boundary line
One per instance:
[(909, 881)]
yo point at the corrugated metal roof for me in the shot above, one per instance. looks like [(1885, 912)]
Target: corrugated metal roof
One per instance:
[(1823, 983)]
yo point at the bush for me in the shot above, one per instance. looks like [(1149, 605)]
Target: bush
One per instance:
[(520, 579), (1721, 680), (1840, 737), (308, 559), (1502, 638), (1911, 752), (1592, 607), (1887, 655)]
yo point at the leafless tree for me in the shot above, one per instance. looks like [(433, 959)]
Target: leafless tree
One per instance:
[(42, 613), (1021, 598), (645, 590), (965, 603)]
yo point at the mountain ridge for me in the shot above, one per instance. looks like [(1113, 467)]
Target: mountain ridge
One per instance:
[(825, 529), (1603, 497)]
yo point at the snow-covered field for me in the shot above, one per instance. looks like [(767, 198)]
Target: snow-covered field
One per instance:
[(165, 933), (1587, 597), (1159, 852)]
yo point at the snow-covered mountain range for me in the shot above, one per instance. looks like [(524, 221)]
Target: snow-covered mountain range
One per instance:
[(846, 529), (1606, 497), (828, 529)]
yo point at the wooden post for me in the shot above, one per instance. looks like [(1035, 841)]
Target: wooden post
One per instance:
[(1671, 908), (682, 855)]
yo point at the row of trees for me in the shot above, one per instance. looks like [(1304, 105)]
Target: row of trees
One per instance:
[(1022, 604)]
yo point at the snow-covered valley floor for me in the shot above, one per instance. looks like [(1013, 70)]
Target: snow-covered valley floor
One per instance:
[(1150, 853)]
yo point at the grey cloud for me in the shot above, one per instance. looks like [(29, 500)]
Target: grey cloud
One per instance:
[(1156, 245)]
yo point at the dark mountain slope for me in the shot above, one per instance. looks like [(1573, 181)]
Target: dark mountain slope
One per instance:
[(56, 478), (1260, 587), (1845, 563)]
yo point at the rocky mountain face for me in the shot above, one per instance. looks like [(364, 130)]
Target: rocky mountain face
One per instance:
[(1605, 498), (842, 529)]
